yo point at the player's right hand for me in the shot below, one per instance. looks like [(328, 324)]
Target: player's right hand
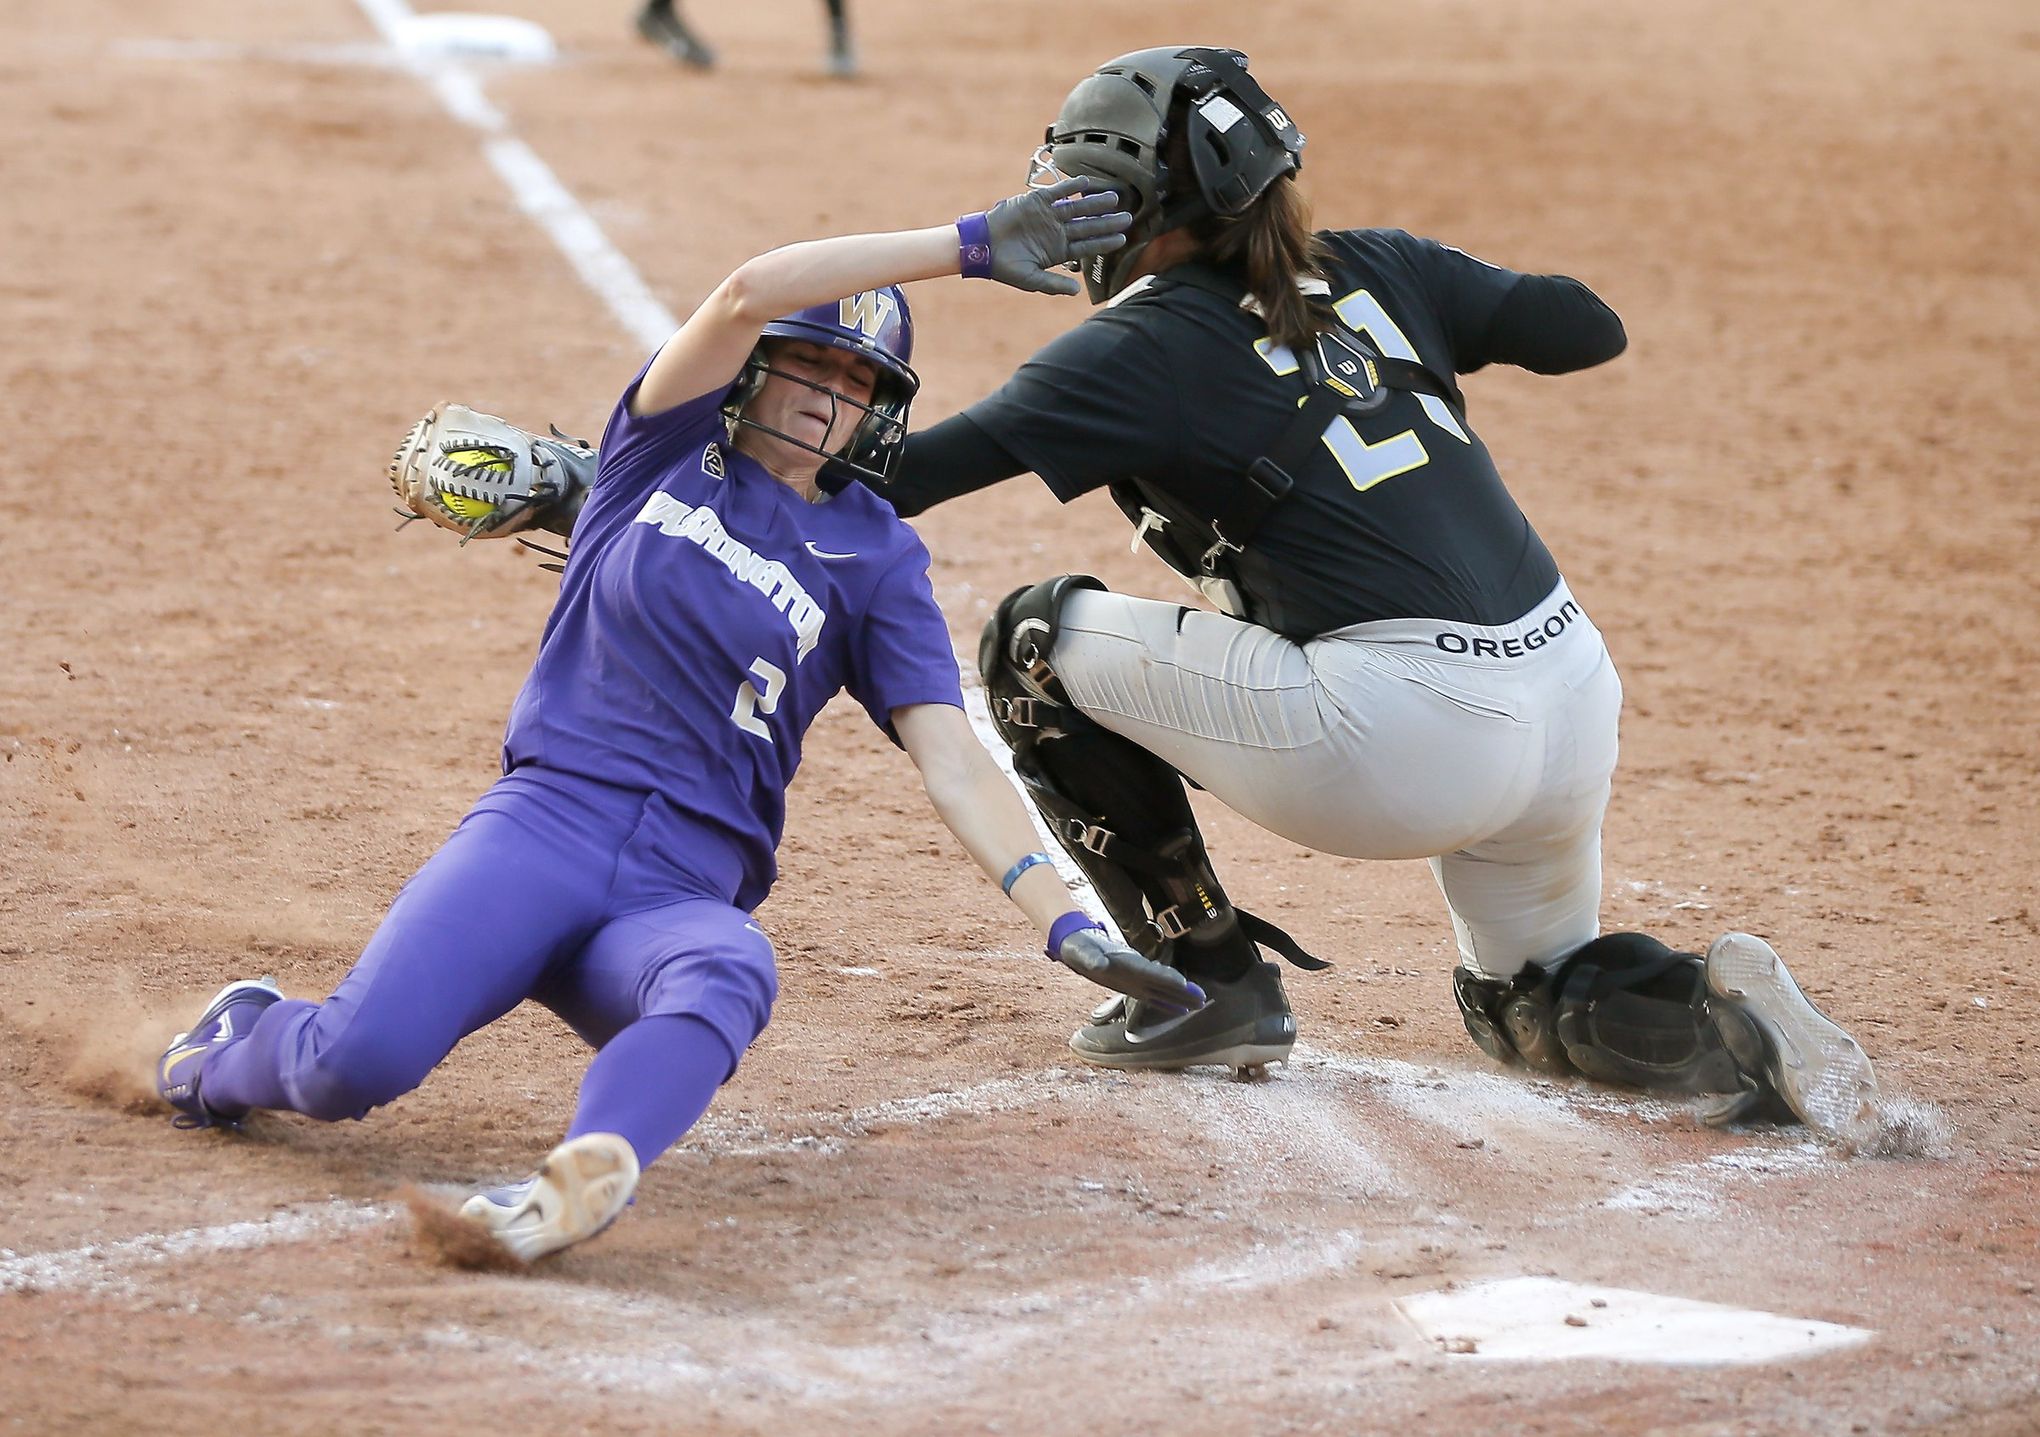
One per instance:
[(1093, 953), (1034, 235)]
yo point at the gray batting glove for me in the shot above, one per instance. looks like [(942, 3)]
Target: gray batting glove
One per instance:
[(1027, 240), (1090, 951)]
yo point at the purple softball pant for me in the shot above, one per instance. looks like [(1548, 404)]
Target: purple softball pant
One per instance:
[(598, 902)]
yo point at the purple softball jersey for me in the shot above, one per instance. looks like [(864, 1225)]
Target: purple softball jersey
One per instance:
[(707, 614)]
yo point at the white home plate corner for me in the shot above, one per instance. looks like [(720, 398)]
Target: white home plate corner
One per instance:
[(503, 38), (1543, 1319)]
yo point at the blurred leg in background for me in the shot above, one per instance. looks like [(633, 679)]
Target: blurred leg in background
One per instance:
[(842, 54), (660, 23)]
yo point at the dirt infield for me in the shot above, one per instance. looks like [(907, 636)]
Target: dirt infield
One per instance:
[(240, 249)]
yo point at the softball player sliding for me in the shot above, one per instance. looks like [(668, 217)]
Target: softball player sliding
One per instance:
[(1398, 670), (723, 585)]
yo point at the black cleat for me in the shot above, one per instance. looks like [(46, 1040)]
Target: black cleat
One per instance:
[(1246, 1025), (1819, 1071), (662, 25), (842, 53)]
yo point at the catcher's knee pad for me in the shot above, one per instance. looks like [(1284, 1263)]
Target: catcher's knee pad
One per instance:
[(1622, 1009), (1119, 811), (1013, 653)]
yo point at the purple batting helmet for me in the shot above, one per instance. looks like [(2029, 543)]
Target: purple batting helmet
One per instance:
[(874, 325)]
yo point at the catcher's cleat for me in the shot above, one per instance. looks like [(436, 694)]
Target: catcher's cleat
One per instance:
[(180, 1072), (577, 1191), (662, 25), (1246, 1024), (1819, 1071)]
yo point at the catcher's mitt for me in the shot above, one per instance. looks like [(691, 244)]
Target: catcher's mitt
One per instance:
[(484, 478)]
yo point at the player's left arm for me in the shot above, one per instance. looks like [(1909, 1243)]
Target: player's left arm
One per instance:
[(1554, 324), (1545, 323), (982, 809)]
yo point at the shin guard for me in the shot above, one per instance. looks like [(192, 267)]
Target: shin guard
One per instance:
[(1119, 811), (1623, 1009)]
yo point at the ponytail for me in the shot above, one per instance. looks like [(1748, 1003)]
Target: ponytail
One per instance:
[(1272, 243)]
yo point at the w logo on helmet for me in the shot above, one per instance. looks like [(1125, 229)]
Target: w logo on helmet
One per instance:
[(869, 313)]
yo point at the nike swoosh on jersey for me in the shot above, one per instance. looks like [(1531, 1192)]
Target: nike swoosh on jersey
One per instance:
[(825, 553)]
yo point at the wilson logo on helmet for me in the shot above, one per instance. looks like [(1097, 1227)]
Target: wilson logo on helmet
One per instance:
[(868, 313)]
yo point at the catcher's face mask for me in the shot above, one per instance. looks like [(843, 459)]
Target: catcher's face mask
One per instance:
[(1117, 126)]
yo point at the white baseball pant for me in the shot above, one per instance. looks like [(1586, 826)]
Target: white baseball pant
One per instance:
[(1487, 750)]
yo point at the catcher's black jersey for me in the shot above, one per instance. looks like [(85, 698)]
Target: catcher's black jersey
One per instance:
[(1397, 514)]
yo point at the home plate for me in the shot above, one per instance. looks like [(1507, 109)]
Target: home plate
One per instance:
[(475, 37), (1541, 1319)]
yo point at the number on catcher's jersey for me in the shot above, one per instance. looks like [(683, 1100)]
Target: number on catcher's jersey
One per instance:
[(1366, 465), (752, 700)]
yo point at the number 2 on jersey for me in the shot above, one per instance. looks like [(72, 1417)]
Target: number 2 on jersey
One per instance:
[(1366, 465), (752, 701)]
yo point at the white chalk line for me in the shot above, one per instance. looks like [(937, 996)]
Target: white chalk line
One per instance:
[(532, 184), (995, 1328), (1300, 1127), (104, 1269), (660, 1345), (356, 53), (1698, 1189), (101, 1267), (1309, 1138), (1459, 1102)]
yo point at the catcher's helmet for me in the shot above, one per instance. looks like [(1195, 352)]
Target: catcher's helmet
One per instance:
[(875, 325), (1116, 126)]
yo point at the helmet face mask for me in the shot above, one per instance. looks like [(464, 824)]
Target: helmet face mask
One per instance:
[(1118, 126), (876, 326)]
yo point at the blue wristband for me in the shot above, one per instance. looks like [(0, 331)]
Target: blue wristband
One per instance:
[(974, 247), (1013, 874), (1071, 922)]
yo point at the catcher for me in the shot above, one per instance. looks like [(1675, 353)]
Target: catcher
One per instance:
[(724, 585)]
